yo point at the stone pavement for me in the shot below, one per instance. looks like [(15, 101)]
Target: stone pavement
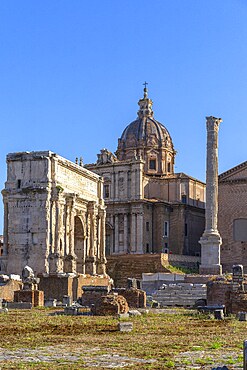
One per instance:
[(91, 357)]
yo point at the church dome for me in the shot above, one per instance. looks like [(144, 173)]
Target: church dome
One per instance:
[(148, 139)]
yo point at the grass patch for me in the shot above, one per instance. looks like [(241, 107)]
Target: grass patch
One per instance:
[(182, 270), (163, 338)]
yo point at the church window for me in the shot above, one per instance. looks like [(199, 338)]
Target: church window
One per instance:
[(184, 199), (186, 229), (18, 184), (106, 191), (240, 230), (168, 167), (147, 226), (147, 248), (152, 164), (166, 229)]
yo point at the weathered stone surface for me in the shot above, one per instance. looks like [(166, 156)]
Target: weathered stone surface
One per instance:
[(67, 300), (111, 304), (19, 305), (35, 297), (218, 314), (134, 313), (50, 302), (3, 310), (71, 311), (211, 240), (135, 297), (7, 289), (242, 316), (125, 326), (64, 205)]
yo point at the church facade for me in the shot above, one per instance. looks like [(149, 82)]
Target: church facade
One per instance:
[(150, 209), (54, 216)]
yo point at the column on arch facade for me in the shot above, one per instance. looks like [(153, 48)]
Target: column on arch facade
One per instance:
[(101, 262), (90, 263)]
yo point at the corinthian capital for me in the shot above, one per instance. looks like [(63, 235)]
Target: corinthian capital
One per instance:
[(213, 123)]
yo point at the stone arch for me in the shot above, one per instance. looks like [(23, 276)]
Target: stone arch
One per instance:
[(79, 244)]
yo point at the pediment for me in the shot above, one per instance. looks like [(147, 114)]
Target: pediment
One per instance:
[(152, 151), (236, 173)]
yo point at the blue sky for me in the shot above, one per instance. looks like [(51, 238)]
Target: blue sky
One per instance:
[(71, 74)]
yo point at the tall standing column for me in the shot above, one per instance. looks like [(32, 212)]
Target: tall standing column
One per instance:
[(211, 240)]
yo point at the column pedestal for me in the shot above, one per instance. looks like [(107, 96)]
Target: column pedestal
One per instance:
[(210, 254)]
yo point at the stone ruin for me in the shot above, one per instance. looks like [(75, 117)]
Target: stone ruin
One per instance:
[(110, 304), (229, 291), (106, 300), (29, 292)]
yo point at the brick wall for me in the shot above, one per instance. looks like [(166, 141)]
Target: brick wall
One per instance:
[(125, 266), (232, 205)]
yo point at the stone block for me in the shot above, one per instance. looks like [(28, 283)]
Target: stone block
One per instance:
[(123, 315), (3, 310), (219, 314), (35, 297), (135, 313), (50, 302), (242, 316), (111, 304), (67, 300), (125, 326), (19, 305), (71, 311)]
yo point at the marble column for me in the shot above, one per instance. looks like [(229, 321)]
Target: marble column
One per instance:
[(116, 235), (133, 233), (102, 258), (139, 236), (211, 239), (125, 243), (92, 239)]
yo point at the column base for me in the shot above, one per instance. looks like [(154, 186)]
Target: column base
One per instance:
[(90, 265), (210, 270), (101, 266)]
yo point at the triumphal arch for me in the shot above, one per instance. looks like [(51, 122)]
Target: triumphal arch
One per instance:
[(54, 216)]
